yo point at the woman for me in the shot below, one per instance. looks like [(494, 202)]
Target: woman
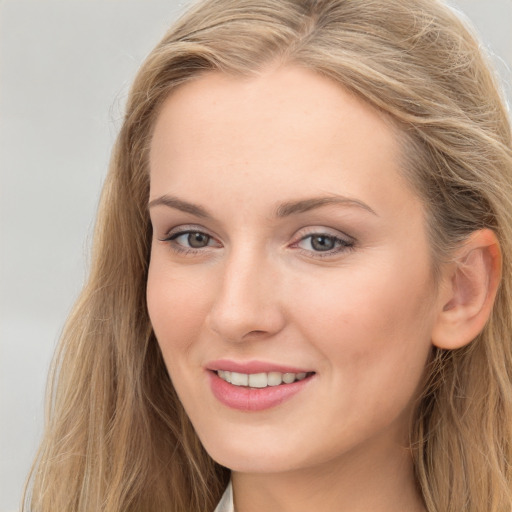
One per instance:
[(301, 274)]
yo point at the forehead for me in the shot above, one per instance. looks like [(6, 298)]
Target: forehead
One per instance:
[(290, 101), (287, 129)]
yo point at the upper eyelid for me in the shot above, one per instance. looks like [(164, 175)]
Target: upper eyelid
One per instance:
[(319, 230), (344, 242), (187, 228)]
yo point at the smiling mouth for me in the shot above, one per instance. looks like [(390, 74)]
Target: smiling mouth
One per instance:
[(261, 380)]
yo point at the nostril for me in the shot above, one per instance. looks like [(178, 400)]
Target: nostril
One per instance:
[(255, 335)]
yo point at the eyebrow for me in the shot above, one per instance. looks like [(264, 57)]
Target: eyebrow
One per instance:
[(179, 204), (283, 210), (305, 205)]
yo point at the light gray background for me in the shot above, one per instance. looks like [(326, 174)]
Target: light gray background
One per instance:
[(65, 68)]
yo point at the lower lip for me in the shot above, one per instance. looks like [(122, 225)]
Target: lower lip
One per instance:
[(244, 398)]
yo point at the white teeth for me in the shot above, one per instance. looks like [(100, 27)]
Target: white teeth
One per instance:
[(239, 379), (225, 375), (260, 380), (274, 378), (288, 378)]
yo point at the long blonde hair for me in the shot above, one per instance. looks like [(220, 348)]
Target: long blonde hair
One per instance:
[(116, 436)]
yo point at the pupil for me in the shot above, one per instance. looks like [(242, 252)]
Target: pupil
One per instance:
[(322, 243), (197, 240)]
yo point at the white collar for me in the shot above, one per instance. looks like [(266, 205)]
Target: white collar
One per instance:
[(226, 502)]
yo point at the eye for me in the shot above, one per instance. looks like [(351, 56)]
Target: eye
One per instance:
[(192, 239), (187, 240), (324, 243), (321, 242)]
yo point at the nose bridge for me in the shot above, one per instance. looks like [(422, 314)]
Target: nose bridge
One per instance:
[(247, 298)]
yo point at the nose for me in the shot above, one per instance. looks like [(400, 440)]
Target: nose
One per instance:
[(247, 305)]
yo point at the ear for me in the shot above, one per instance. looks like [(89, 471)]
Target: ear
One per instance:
[(468, 290)]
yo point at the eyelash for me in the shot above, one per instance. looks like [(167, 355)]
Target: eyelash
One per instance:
[(178, 248), (340, 245)]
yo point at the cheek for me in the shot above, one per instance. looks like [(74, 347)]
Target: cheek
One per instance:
[(176, 308), (374, 341), (375, 322)]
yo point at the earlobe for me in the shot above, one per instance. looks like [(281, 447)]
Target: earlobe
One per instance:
[(468, 292)]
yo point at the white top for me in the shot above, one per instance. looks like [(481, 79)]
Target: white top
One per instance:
[(226, 502)]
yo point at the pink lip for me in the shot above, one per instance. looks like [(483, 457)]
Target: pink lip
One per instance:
[(252, 367), (247, 399)]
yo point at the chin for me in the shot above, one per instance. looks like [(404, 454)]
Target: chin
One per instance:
[(252, 463), (246, 456), (253, 453)]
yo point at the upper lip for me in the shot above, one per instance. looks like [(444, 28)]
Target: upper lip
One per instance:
[(251, 367)]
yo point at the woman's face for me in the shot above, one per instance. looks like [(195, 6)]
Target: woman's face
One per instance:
[(289, 251)]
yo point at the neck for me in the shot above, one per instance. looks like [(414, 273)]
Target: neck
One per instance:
[(354, 482)]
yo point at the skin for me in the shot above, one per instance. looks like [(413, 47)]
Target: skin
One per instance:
[(361, 316)]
